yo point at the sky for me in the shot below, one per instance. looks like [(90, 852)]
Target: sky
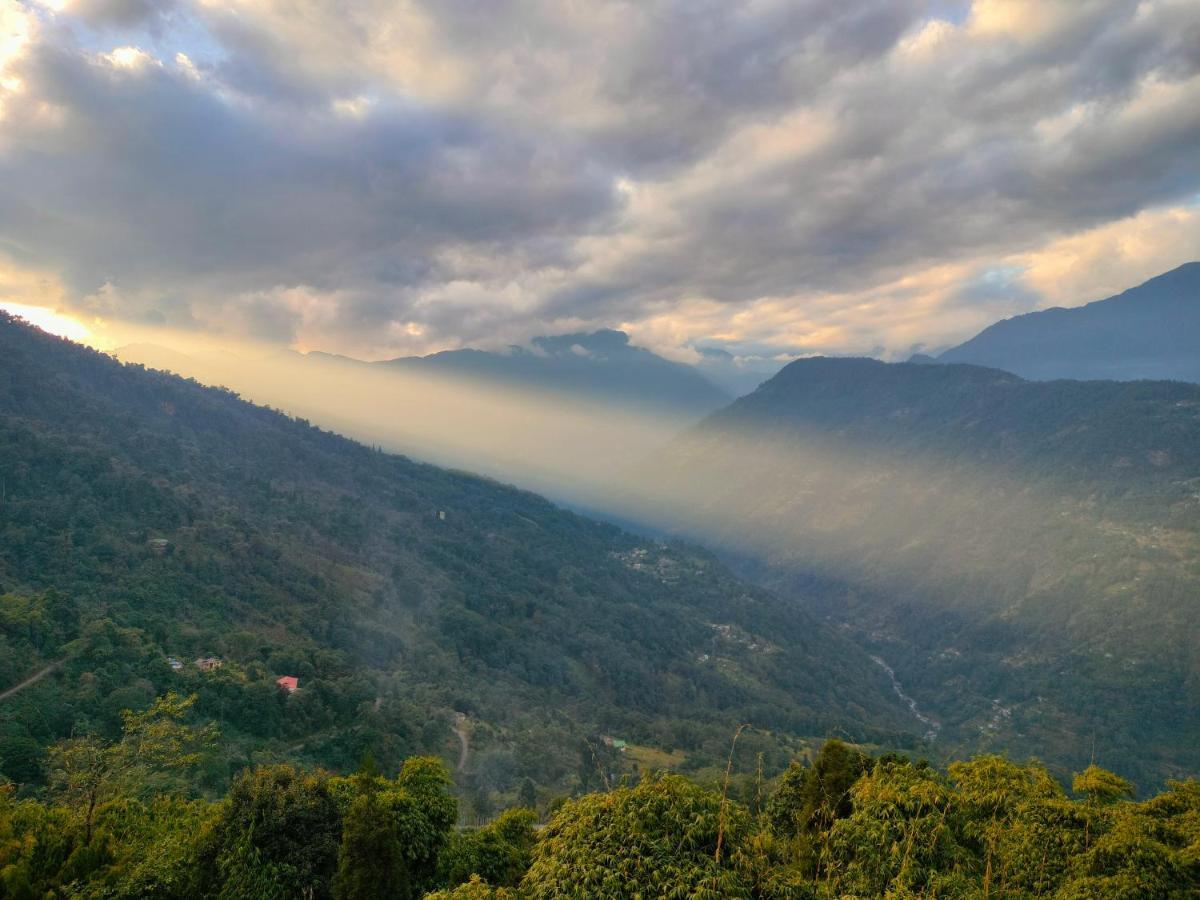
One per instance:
[(387, 177)]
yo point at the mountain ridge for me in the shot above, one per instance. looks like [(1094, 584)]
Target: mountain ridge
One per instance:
[(1149, 331), (600, 364)]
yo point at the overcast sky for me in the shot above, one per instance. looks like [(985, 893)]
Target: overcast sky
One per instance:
[(379, 178)]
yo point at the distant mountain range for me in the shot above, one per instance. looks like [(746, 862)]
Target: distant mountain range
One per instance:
[(737, 375), (598, 367), (1022, 554), (555, 416), (602, 365), (147, 517), (1150, 331)]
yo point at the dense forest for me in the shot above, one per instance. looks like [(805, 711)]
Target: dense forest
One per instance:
[(1023, 554), (118, 821), (157, 535)]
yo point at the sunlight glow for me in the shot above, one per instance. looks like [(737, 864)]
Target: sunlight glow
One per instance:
[(49, 320)]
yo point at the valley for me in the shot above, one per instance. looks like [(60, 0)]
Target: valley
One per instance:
[(146, 517), (1002, 544), (604, 450)]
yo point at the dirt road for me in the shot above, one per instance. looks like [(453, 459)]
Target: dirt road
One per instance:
[(462, 728), (32, 679)]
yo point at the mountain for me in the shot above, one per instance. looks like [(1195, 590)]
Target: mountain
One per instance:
[(601, 366), (737, 375), (1022, 555), (146, 518), (1151, 331)]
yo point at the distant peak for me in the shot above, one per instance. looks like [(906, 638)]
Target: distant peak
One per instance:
[(604, 340), (1147, 332), (863, 371), (715, 353)]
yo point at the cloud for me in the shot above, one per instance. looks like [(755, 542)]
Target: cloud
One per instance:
[(380, 178)]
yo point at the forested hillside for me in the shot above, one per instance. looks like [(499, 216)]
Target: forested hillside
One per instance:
[(1022, 554), (146, 519)]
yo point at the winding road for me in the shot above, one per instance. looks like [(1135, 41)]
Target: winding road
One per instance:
[(32, 679), (462, 728)]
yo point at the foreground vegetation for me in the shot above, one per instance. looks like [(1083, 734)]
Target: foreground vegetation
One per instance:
[(120, 819)]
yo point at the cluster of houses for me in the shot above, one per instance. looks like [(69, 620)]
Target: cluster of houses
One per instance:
[(289, 683)]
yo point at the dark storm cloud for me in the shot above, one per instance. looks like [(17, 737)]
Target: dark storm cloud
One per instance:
[(387, 176)]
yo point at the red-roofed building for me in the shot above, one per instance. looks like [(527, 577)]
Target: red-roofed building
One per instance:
[(289, 683)]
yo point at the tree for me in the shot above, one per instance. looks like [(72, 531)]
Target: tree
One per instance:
[(809, 800), (499, 853), (88, 770), (393, 830), (1018, 819), (1101, 786), (527, 794), (278, 836), (900, 839), (475, 889), (425, 812), (371, 860), (1131, 859), (656, 839)]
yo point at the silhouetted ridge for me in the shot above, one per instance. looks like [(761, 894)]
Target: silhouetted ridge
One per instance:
[(1151, 331)]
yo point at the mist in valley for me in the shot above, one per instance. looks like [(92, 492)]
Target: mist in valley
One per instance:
[(575, 448), (977, 581)]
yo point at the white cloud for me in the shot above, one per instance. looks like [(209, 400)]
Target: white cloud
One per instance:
[(128, 58)]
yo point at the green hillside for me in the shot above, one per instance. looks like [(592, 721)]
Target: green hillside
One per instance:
[(1024, 555), (144, 517)]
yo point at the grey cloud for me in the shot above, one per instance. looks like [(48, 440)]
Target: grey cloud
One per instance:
[(480, 191), (123, 13), (920, 171), (155, 182), (698, 69)]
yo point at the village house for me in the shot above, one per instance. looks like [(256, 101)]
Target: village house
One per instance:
[(289, 683), (208, 663)]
